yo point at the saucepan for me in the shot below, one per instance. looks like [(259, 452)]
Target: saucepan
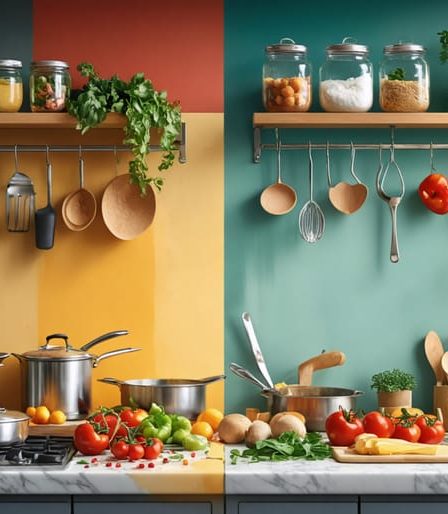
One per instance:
[(315, 403), (180, 396)]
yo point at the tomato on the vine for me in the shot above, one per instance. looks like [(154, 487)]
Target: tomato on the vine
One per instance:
[(120, 449), (342, 427), (408, 431), (110, 421), (136, 451), (133, 418), (375, 423), (88, 441), (153, 448), (432, 430)]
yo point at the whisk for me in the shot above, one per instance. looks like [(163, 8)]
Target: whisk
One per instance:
[(311, 217)]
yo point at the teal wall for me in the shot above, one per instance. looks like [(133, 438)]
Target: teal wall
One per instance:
[(342, 293)]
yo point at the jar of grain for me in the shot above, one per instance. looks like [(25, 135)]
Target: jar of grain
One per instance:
[(286, 77), (404, 79), (346, 78), (11, 87)]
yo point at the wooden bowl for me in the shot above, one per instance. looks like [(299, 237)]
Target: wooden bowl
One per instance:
[(127, 213)]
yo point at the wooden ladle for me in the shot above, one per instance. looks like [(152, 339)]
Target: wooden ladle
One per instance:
[(346, 198), (322, 361), (278, 198), (79, 207), (434, 352)]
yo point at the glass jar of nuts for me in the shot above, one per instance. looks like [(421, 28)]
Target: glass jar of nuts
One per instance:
[(286, 78)]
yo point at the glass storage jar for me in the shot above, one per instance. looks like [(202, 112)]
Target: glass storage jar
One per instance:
[(346, 78), (11, 87), (50, 84), (404, 79), (286, 77)]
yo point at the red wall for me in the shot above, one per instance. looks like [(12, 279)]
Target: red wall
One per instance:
[(178, 44)]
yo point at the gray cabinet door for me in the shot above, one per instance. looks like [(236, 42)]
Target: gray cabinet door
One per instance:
[(428, 505), (109, 506), (35, 504), (297, 507)]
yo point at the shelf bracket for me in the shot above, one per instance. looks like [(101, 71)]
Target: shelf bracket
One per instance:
[(257, 145), (183, 144)]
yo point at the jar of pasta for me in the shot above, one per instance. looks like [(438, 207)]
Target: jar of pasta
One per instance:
[(49, 86), (286, 77), (11, 87), (404, 79)]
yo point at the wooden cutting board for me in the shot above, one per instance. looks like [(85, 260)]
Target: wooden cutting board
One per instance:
[(65, 430), (345, 454)]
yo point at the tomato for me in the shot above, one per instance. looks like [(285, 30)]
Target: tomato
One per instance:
[(120, 449), (153, 448), (136, 451), (407, 431), (89, 442), (133, 418), (433, 192), (342, 427), (432, 430), (375, 423), (110, 421)]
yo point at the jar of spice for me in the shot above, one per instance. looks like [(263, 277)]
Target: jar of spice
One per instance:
[(404, 79), (346, 78), (11, 87), (50, 84), (286, 77)]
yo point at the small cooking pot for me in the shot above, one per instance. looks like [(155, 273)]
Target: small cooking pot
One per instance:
[(60, 376), (13, 427), (181, 396), (315, 403)]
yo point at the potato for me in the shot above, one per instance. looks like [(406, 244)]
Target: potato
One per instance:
[(258, 431), (288, 423), (299, 415), (233, 428)]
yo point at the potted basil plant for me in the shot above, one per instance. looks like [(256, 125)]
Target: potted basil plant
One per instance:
[(394, 388)]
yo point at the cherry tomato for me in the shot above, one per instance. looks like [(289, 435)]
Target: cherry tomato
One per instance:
[(120, 449), (136, 451), (89, 442), (342, 427), (408, 431), (375, 423), (110, 421), (432, 430), (153, 448), (433, 192), (133, 418)]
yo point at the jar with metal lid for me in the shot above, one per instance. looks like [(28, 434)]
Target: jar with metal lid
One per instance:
[(50, 84), (11, 87), (404, 79), (286, 77), (346, 78)]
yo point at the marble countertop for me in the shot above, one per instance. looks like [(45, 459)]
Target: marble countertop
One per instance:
[(203, 474), (331, 477)]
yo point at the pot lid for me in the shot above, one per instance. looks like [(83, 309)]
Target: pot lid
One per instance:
[(400, 47), (49, 352), (12, 415), (286, 45), (348, 46)]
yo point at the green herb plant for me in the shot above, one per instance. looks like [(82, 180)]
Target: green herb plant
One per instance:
[(144, 108), (288, 446), (393, 381), (443, 38), (397, 74)]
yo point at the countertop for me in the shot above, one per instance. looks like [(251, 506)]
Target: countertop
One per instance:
[(204, 474), (331, 477)]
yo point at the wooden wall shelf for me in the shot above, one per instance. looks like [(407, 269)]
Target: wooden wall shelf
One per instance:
[(57, 120)]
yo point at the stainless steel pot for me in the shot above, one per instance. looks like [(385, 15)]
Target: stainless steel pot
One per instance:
[(315, 403), (13, 426), (60, 376), (184, 397)]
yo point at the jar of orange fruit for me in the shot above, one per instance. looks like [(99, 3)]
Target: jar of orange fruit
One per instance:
[(286, 77)]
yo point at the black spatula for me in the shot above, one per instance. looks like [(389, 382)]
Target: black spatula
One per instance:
[(45, 219)]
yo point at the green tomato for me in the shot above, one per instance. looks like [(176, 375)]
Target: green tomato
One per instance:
[(194, 442), (180, 434), (180, 422)]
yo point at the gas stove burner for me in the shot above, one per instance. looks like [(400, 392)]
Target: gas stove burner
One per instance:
[(38, 451)]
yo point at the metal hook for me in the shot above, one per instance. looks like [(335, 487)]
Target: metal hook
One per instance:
[(352, 162), (80, 152), (16, 158), (47, 153), (327, 152), (431, 158), (311, 164), (116, 160), (392, 145)]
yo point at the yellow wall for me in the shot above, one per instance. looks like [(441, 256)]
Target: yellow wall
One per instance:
[(166, 287)]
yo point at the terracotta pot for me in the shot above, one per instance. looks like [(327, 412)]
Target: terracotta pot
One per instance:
[(391, 401)]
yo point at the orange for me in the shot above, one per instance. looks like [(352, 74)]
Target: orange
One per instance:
[(41, 416), (57, 417), (30, 411), (202, 428), (211, 416)]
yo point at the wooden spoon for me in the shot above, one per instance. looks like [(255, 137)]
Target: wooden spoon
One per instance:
[(434, 352), (322, 361), (79, 207), (278, 198), (444, 365)]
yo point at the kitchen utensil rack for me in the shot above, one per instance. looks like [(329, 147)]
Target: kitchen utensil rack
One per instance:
[(369, 120)]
